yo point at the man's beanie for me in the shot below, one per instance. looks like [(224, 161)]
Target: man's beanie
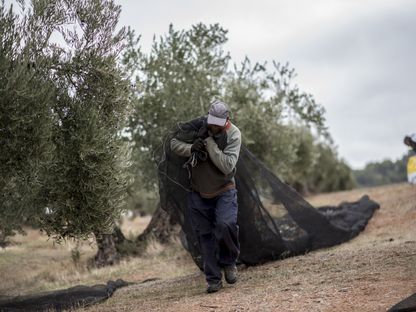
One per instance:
[(218, 113)]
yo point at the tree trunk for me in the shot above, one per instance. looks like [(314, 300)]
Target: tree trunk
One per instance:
[(161, 227), (112, 247), (4, 242), (107, 253)]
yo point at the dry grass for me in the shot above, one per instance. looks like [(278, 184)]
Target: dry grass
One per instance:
[(369, 273), (33, 263)]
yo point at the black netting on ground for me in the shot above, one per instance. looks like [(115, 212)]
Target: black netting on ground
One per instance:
[(60, 300), (406, 305), (275, 221)]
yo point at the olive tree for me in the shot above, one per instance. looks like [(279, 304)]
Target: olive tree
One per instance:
[(64, 104), (26, 96)]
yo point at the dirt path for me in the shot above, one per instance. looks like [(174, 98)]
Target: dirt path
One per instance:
[(370, 273)]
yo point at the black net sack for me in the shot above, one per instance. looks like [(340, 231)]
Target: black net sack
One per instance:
[(274, 220), (61, 300)]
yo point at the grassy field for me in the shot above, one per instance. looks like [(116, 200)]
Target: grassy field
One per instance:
[(369, 273), (33, 263)]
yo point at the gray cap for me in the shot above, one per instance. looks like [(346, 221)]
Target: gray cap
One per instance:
[(218, 113)]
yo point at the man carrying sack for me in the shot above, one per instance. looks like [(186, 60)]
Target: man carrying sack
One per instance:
[(213, 156)]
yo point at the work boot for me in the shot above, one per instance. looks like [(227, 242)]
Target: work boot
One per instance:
[(214, 287), (230, 272)]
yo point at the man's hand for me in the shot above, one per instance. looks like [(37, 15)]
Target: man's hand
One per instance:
[(198, 145), (203, 132)]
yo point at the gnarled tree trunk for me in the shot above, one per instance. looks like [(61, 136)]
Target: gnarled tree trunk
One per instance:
[(107, 253), (160, 228), (112, 247)]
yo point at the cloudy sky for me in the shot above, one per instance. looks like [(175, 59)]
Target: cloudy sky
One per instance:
[(357, 57)]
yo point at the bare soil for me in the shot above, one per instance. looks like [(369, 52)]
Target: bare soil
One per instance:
[(369, 273)]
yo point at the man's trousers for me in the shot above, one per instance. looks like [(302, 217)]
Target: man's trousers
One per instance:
[(214, 222)]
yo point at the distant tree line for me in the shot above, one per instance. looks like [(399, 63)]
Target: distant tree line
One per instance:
[(383, 172)]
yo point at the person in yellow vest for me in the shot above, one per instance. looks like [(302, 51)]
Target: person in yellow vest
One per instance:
[(410, 140)]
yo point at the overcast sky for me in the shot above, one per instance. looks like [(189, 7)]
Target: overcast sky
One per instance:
[(357, 57)]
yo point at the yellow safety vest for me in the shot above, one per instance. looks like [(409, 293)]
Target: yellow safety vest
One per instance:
[(411, 169)]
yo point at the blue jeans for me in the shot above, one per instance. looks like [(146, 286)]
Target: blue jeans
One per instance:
[(214, 221)]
